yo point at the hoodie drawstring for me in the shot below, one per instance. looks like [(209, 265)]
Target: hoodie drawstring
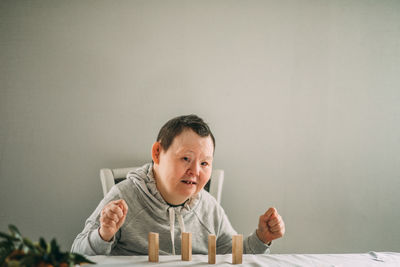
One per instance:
[(171, 211), (181, 223), (172, 227)]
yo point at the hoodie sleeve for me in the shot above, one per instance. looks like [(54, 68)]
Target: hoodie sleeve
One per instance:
[(89, 242), (251, 244)]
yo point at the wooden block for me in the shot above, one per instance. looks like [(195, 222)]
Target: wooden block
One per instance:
[(186, 246), (212, 249), (237, 249), (153, 247)]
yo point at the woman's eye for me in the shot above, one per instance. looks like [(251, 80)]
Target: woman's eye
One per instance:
[(204, 163), (185, 158)]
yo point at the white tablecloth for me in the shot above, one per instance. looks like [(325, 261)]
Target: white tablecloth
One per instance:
[(364, 259)]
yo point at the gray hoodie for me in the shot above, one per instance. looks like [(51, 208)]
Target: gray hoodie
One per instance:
[(148, 212)]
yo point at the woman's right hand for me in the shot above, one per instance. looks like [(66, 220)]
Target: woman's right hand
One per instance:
[(112, 218)]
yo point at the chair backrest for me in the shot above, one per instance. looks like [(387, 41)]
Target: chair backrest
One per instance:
[(110, 177)]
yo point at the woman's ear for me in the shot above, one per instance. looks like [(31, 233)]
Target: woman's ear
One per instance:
[(155, 152)]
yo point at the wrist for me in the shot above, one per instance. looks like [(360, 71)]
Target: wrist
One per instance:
[(103, 236), (265, 241)]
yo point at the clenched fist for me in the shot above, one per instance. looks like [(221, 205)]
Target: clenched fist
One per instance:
[(112, 218), (270, 226)]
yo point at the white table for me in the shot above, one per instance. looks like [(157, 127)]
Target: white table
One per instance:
[(342, 260)]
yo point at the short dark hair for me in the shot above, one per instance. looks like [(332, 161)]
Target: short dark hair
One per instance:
[(175, 127)]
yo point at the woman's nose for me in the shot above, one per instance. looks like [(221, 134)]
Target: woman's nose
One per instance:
[(194, 169)]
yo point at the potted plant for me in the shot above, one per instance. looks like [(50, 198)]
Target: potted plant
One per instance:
[(16, 250)]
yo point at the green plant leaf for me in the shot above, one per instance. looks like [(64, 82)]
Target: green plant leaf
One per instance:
[(4, 252), (55, 249), (28, 243), (42, 244), (15, 232), (6, 245), (30, 260), (3, 260), (8, 237)]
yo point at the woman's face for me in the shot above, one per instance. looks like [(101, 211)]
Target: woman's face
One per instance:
[(185, 168)]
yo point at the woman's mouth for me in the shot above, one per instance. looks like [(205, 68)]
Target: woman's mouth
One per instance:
[(189, 182)]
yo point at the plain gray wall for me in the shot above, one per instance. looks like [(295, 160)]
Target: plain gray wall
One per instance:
[(303, 98)]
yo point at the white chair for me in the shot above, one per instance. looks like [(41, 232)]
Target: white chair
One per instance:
[(110, 177)]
